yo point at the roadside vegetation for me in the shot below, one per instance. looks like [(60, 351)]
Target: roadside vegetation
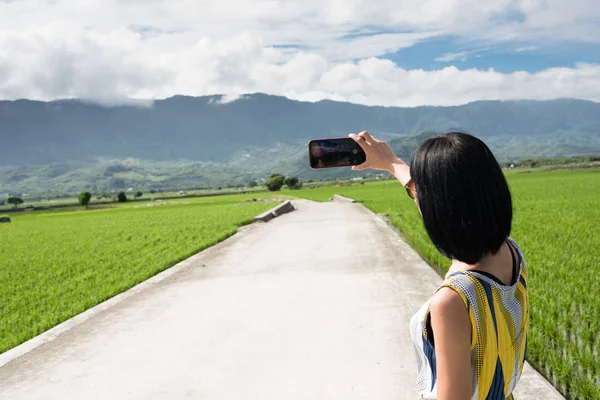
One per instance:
[(275, 182), (578, 162), (55, 265)]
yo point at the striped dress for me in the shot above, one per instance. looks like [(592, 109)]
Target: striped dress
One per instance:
[(499, 320)]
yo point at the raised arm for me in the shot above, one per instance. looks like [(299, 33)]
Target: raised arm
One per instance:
[(381, 157)]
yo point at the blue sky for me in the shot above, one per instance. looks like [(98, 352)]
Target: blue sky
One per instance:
[(501, 57), (388, 52), (444, 51)]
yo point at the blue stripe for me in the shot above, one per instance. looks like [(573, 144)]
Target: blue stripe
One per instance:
[(496, 391), (522, 280), (488, 293), (430, 354)]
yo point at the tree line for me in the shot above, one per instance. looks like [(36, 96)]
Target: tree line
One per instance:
[(276, 182), (273, 184), (86, 197)]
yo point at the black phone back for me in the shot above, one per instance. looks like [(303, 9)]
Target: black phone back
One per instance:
[(333, 153)]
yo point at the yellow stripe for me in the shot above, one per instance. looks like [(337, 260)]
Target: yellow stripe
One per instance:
[(487, 341), (484, 335)]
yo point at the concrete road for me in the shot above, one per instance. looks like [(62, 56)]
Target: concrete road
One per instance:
[(312, 305)]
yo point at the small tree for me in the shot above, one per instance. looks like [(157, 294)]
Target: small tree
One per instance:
[(252, 184), (275, 182), (293, 183), (122, 197), (152, 191), (15, 201), (84, 198), (138, 194)]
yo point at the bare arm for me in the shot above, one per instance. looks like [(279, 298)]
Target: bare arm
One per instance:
[(451, 327), (381, 157), (401, 171)]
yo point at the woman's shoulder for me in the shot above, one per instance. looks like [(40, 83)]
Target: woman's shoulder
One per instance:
[(446, 300), (462, 286)]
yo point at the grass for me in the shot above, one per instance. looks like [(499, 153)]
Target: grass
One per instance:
[(555, 222), (72, 201), (54, 265)]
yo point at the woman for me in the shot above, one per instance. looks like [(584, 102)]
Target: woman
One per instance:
[(470, 337)]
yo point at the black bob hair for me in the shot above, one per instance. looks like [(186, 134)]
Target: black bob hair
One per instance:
[(463, 196)]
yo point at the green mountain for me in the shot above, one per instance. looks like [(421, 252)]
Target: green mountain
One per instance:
[(68, 145)]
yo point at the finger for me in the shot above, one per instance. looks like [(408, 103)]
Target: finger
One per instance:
[(363, 136), (360, 167), (361, 142), (356, 137), (366, 136), (371, 137)]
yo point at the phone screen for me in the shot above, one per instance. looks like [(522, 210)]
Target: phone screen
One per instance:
[(331, 153)]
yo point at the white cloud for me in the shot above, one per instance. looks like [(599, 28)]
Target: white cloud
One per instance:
[(230, 98), (447, 57), (526, 48), (381, 82), (113, 49), (374, 45)]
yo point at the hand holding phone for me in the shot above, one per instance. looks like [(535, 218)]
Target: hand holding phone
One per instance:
[(378, 153), (334, 153), (360, 151)]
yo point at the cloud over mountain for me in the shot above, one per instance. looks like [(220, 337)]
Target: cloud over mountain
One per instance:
[(110, 50)]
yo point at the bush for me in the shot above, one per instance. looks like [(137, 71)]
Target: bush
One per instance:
[(122, 197), (252, 184), (84, 198), (15, 201), (138, 194), (275, 182), (293, 183)]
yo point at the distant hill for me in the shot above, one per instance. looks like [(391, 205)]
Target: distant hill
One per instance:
[(64, 145)]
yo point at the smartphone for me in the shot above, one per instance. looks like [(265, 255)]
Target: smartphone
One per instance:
[(336, 152)]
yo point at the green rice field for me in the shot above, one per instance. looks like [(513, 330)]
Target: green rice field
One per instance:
[(55, 265), (557, 224)]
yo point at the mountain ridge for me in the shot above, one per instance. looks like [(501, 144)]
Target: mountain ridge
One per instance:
[(256, 134)]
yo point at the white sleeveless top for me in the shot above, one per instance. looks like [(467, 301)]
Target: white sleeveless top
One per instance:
[(499, 317)]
